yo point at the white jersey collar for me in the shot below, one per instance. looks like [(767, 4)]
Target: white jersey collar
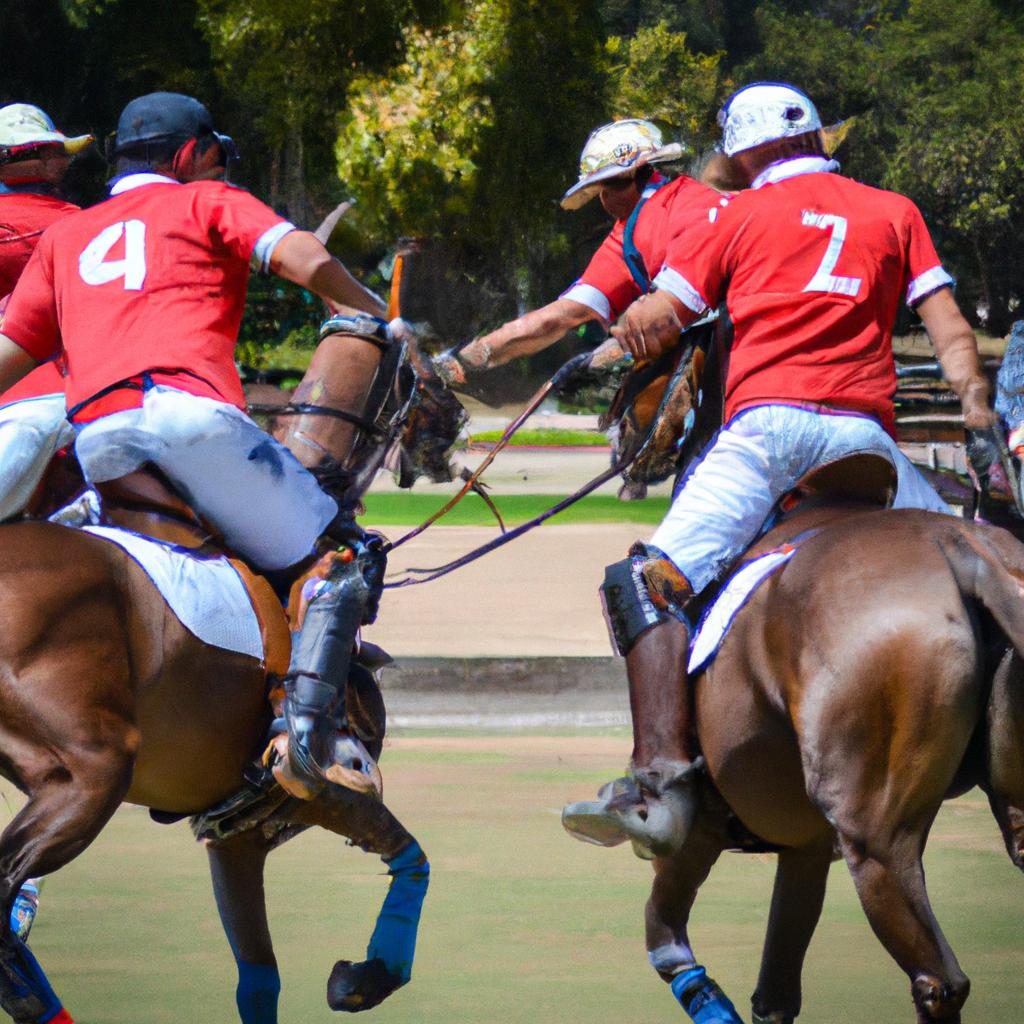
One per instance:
[(783, 169), (130, 181)]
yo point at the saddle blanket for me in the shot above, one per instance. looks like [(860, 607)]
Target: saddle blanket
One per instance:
[(715, 622), (206, 594)]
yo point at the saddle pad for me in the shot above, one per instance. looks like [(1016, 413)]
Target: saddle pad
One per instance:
[(206, 594), (734, 595)]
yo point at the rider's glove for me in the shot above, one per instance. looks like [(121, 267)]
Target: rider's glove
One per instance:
[(451, 369)]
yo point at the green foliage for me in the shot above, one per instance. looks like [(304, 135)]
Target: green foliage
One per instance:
[(657, 76), (463, 119), (410, 138), (474, 133), (954, 80)]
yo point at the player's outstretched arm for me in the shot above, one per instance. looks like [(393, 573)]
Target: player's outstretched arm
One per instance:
[(300, 257), (527, 334), (532, 332), (957, 349)]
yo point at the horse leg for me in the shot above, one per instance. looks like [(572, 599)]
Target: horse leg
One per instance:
[(1005, 783), (676, 882), (236, 868), (797, 899), (890, 883), (70, 800), (368, 824)]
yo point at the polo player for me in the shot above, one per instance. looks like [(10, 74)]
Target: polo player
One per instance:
[(811, 267), (142, 295), (34, 159), (617, 166)]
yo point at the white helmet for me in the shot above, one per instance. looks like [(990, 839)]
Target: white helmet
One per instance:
[(764, 112), (616, 149), (24, 127)]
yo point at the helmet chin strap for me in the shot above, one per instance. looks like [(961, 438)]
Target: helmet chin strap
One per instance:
[(183, 159)]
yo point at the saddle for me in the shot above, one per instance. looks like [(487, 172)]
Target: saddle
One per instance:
[(146, 503)]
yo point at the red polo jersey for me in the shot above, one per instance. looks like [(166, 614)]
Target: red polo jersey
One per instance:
[(152, 279), (812, 267), (24, 216), (607, 286)]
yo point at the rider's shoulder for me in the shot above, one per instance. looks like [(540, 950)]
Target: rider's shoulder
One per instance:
[(219, 189)]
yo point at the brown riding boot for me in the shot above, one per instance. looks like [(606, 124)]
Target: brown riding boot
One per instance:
[(653, 806)]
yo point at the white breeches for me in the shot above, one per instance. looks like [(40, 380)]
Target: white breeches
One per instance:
[(760, 456), (269, 508), (31, 431)]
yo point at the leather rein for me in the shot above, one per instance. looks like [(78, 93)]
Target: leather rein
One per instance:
[(436, 572)]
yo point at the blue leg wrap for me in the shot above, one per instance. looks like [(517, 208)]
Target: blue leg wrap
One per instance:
[(702, 999), (394, 939), (23, 912), (259, 985), (25, 992)]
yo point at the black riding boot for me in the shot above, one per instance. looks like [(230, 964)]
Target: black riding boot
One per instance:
[(653, 806), (322, 649)]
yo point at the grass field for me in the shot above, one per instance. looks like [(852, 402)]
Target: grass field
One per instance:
[(545, 437), (408, 508), (522, 925)]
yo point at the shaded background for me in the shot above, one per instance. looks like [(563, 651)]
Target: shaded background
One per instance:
[(463, 121)]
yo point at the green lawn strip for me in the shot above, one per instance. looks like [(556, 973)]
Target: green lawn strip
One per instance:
[(552, 437), (405, 509)]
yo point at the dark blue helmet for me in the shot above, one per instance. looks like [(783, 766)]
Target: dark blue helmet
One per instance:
[(161, 117)]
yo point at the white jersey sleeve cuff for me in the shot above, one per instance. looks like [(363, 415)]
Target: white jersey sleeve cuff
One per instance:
[(924, 284), (671, 281), (266, 243), (591, 297)]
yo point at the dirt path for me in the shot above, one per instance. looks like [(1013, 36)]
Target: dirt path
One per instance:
[(536, 597)]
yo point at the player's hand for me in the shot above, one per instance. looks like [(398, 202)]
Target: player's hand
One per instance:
[(649, 327), (449, 368), (974, 401)]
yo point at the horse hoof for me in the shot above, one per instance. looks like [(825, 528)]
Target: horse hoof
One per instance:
[(939, 1001), (354, 987)]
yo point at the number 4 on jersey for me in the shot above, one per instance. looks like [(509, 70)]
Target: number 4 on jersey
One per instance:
[(824, 280), (94, 266)]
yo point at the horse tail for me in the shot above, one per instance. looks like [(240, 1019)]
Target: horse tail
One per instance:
[(981, 574)]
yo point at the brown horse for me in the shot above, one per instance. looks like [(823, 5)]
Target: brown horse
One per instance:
[(105, 697), (877, 673)]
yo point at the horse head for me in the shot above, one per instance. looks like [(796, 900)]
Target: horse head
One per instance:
[(661, 410), (369, 391)]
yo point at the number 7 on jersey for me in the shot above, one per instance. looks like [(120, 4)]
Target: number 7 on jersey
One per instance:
[(824, 280)]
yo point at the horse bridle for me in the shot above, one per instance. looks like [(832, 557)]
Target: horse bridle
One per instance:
[(307, 408)]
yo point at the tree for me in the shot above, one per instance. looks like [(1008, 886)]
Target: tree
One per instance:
[(951, 82), (473, 135), (286, 69), (657, 76)]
